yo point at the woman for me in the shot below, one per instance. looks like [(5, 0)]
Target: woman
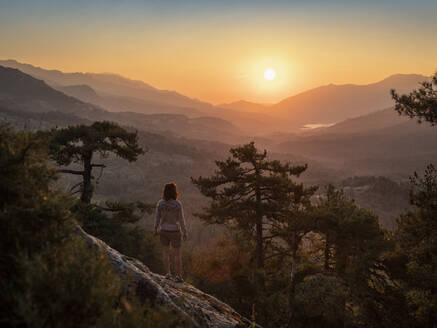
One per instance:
[(169, 217)]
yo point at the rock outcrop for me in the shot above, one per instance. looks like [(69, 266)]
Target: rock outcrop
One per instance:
[(201, 309)]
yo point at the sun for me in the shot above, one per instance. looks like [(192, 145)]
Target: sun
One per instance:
[(269, 74)]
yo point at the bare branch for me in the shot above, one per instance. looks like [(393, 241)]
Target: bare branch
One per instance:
[(98, 165), (72, 172)]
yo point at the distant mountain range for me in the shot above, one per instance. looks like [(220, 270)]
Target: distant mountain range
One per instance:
[(334, 103), (108, 84), (374, 121), (322, 105), (380, 142), (23, 92), (246, 106), (20, 92), (116, 93)]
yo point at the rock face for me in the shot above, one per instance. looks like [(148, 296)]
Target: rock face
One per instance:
[(201, 309)]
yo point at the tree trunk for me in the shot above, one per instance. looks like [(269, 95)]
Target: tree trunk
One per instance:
[(259, 238), (87, 186), (327, 253), (292, 289)]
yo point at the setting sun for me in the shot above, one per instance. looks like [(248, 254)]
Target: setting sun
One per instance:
[(269, 74)]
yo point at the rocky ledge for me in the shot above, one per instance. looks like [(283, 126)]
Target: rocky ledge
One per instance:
[(201, 309)]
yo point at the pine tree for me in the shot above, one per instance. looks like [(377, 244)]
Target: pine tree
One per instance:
[(420, 104), (246, 190), (78, 144), (416, 232), (352, 254), (416, 238)]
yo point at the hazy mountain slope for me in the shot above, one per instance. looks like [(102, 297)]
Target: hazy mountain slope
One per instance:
[(394, 151), (374, 121), (22, 92), (109, 83), (326, 104), (246, 106), (245, 121), (82, 92), (405, 139), (206, 128), (334, 103), (124, 104), (116, 93)]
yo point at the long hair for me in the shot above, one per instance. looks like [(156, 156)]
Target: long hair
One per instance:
[(170, 191)]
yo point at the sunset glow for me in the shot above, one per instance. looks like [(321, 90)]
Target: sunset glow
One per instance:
[(218, 52)]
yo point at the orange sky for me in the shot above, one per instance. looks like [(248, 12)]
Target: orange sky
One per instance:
[(219, 54)]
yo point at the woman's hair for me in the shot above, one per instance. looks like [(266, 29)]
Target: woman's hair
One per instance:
[(170, 191)]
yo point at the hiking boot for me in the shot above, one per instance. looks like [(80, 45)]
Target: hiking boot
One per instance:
[(178, 278)]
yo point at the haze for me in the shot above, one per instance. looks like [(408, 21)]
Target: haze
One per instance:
[(218, 51)]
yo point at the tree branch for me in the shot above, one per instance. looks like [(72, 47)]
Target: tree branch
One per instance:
[(109, 209), (98, 165), (72, 172)]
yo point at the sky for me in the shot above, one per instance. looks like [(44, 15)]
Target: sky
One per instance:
[(217, 51)]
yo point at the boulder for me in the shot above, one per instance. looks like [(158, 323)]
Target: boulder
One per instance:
[(202, 309)]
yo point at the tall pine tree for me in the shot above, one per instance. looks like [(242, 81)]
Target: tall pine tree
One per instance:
[(246, 190)]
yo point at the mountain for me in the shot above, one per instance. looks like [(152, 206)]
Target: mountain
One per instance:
[(82, 92), (334, 103), (374, 121), (106, 83), (20, 92), (119, 94), (246, 106), (395, 150), (323, 105), (205, 128)]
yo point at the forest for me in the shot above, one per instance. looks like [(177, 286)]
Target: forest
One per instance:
[(280, 249)]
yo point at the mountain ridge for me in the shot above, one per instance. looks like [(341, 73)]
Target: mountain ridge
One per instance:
[(22, 92), (326, 104)]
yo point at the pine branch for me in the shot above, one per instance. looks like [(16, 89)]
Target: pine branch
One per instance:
[(72, 172)]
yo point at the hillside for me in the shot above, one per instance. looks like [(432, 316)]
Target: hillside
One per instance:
[(323, 105), (334, 103), (370, 122), (108, 84), (246, 106), (81, 91), (396, 151), (22, 92), (119, 94)]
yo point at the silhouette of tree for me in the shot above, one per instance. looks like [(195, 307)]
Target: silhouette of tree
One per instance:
[(246, 190), (417, 248), (78, 144), (420, 104)]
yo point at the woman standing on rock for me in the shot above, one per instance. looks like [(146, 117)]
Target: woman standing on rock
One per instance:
[(169, 218)]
